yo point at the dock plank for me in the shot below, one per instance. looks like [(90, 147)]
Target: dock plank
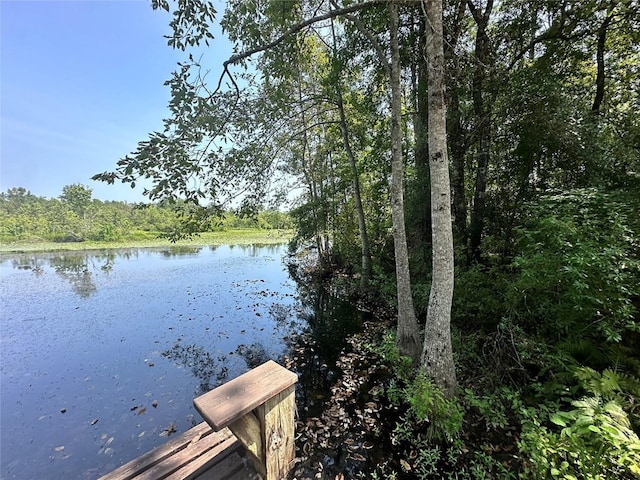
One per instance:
[(186, 456), (231, 468), (225, 404)]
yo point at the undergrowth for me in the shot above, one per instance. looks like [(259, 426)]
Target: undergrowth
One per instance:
[(584, 429)]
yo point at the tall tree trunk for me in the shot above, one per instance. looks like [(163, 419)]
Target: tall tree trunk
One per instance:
[(602, 40), (309, 176), (482, 112), (456, 135), (420, 203), (457, 145), (437, 355), (408, 336), (362, 225)]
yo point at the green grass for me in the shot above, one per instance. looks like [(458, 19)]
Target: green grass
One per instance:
[(229, 237)]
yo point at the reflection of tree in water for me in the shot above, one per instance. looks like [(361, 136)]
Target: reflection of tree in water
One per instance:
[(283, 316), (75, 270), (107, 266), (211, 371), (258, 249), (204, 367), (330, 320), (254, 354), (28, 263), (180, 251)]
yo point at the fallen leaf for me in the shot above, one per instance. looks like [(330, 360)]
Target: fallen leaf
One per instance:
[(358, 458)]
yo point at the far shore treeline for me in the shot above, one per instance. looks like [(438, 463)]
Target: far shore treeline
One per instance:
[(75, 216)]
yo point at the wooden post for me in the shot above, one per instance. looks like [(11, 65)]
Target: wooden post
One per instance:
[(278, 430), (259, 408)]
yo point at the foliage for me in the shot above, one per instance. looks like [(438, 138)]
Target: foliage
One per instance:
[(77, 196), (479, 297), (427, 407), (77, 217), (596, 442), (495, 408), (578, 265), (623, 388), (401, 367)]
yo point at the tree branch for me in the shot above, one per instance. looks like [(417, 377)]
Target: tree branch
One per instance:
[(296, 28), (374, 41)]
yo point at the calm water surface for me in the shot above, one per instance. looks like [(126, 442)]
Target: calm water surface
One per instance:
[(103, 353)]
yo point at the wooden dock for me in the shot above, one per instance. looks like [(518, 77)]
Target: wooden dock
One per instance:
[(248, 434)]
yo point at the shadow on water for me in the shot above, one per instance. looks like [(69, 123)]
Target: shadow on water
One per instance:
[(331, 320), (210, 371)]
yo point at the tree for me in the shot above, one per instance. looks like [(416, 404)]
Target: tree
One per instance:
[(357, 196), (408, 337), (77, 197), (437, 356)]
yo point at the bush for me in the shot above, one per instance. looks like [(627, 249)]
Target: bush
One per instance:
[(596, 443), (427, 408), (578, 266)]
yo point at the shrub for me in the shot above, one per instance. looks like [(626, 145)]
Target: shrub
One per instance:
[(596, 443), (578, 266)]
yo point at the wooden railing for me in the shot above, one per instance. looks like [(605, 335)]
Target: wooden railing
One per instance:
[(259, 408), (255, 411)]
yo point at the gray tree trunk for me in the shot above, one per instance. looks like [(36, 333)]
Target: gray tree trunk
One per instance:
[(437, 355), (362, 224), (408, 335), (483, 111)]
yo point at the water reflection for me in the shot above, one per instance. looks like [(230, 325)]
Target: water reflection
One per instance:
[(183, 251), (28, 263), (254, 355), (210, 371), (258, 249), (153, 329), (78, 270), (330, 319)]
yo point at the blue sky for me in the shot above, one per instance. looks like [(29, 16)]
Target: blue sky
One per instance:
[(81, 85)]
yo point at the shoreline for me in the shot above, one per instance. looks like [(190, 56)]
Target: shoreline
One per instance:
[(228, 237)]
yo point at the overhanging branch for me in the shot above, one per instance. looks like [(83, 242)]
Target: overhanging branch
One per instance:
[(296, 28)]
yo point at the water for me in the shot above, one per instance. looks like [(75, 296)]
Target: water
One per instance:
[(103, 353)]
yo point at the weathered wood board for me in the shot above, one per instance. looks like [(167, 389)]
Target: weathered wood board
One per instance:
[(223, 405)]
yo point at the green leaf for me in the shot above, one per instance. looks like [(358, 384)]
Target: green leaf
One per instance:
[(558, 420)]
